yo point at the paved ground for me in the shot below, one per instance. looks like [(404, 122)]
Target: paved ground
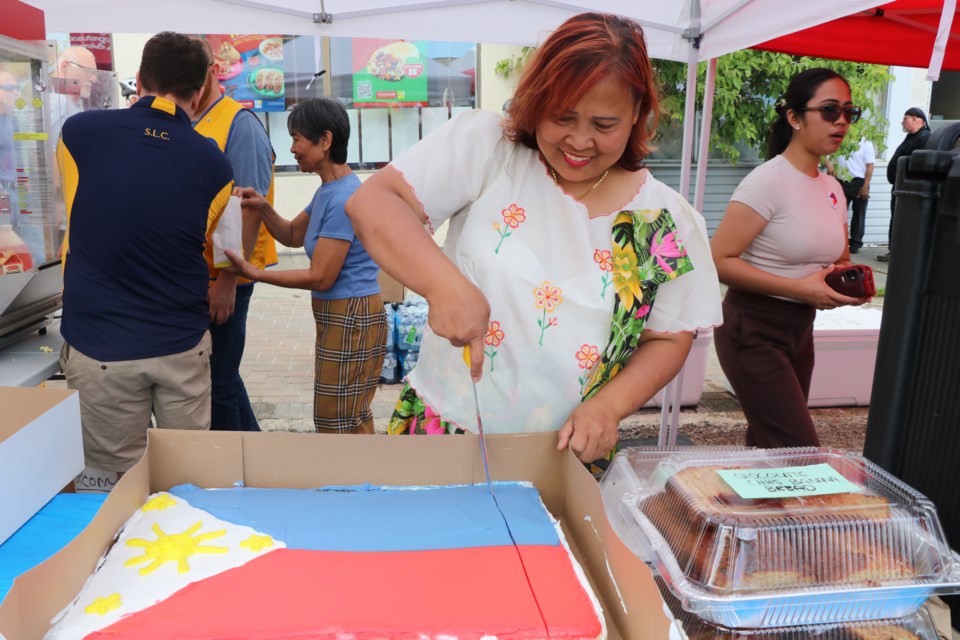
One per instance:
[(278, 371)]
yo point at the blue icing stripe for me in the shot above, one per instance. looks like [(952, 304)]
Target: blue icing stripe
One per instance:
[(367, 518)]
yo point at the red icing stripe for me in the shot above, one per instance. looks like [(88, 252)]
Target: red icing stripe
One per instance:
[(565, 606), (466, 593)]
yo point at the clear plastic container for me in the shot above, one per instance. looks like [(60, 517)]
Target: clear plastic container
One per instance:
[(790, 537), (629, 471), (915, 626)]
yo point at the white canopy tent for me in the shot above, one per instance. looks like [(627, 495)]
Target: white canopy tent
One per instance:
[(681, 30), (687, 31)]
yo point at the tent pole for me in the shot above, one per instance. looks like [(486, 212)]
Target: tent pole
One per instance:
[(705, 124), (689, 113), (940, 43)]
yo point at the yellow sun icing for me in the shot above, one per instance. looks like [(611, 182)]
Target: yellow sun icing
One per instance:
[(159, 503), (257, 542), (102, 606), (173, 547)]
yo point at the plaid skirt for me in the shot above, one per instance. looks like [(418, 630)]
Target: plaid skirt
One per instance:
[(351, 342)]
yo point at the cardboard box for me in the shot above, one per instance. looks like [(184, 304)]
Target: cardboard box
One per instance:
[(390, 289), (41, 450), (623, 583), (694, 373), (845, 343)]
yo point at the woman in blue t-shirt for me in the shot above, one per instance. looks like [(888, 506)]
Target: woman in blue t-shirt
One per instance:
[(348, 310)]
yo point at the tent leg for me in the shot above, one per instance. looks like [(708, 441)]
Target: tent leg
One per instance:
[(689, 114), (705, 124)]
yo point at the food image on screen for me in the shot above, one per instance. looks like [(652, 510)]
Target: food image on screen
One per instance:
[(226, 61), (267, 81), (272, 48), (386, 62)]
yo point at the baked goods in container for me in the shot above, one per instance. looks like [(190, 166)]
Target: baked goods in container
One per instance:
[(787, 537), (726, 542)]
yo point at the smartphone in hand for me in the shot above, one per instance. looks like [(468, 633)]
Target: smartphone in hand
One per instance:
[(855, 281)]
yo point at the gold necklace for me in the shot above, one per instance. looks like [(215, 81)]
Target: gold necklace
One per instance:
[(588, 191)]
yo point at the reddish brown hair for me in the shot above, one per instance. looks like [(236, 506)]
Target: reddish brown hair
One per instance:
[(581, 52)]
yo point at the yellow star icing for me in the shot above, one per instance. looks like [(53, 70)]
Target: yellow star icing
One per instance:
[(159, 503), (257, 542), (102, 606), (173, 547)]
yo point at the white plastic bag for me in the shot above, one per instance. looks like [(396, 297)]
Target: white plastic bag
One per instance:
[(228, 234)]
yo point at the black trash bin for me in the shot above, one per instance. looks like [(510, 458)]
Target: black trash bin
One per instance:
[(913, 428)]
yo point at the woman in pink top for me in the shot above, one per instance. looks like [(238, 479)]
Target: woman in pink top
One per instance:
[(784, 231)]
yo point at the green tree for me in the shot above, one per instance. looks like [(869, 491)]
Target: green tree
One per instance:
[(748, 85)]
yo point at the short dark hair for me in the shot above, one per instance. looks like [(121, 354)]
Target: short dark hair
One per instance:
[(312, 118), (175, 64)]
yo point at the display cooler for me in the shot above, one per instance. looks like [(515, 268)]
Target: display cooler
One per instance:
[(39, 88)]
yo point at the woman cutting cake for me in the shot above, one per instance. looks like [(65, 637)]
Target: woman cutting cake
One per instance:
[(577, 279)]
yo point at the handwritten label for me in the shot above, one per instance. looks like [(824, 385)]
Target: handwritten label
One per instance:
[(788, 482)]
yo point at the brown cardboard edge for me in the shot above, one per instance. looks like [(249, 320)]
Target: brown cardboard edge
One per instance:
[(41, 593), (23, 405), (622, 583)]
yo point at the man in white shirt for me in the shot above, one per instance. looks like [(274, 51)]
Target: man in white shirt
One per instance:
[(856, 187)]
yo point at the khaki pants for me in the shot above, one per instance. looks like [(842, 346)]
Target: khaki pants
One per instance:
[(118, 398)]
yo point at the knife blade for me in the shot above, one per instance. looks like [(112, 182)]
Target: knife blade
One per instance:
[(476, 404)]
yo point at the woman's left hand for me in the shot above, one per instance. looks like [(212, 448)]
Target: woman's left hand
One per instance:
[(240, 266), (591, 431)]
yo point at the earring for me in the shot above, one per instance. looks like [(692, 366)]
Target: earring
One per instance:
[(797, 127)]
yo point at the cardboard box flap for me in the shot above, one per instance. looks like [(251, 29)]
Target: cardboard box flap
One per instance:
[(40, 594), (205, 458), (624, 585), (23, 405), (623, 582)]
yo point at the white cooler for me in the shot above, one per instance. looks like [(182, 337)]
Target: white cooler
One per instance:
[(845, 342)]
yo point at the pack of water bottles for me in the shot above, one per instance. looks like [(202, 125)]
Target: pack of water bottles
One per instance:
[(406, 320), (411, 318)]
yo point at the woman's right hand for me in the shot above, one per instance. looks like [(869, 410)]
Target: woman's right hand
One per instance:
[(460, 313), (250, 200)]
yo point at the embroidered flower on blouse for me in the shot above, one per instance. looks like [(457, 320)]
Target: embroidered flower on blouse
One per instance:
[(513, 216), (587, 356), (493, 339), (494, 334), (546, 297), (604, 260)]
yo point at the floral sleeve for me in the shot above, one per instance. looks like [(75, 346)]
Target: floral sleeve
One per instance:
[(647, 251)]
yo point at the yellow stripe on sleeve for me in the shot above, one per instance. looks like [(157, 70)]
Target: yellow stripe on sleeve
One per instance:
[(70, 175)]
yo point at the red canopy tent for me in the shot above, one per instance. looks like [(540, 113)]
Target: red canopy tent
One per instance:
[(902, 33)]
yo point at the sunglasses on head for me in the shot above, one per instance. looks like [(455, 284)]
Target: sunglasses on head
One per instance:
[(832, 112)]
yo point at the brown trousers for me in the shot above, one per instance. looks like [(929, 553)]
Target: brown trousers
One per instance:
[(765, 348)]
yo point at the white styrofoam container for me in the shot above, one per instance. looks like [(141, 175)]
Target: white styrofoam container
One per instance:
[(41, 450), (694, 373), (845, 343)]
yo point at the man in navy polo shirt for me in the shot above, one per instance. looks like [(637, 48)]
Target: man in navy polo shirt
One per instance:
[(142, 188)]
